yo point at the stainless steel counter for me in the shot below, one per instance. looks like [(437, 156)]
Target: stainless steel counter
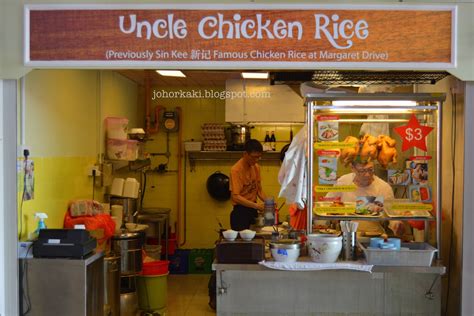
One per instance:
[(435, 268), (64, 286), (253, 289)]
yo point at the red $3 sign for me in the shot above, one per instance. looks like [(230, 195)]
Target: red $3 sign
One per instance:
[(413, 134)]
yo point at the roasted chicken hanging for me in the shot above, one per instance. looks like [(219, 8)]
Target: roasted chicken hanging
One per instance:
[(348, 154), (387, 151), (368, 151)]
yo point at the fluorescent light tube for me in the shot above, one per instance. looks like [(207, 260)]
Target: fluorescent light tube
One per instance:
[(368, 111), (171, 73), (373, 103), (255, 75)]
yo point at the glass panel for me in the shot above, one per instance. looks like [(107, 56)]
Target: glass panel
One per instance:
[(376, 162)]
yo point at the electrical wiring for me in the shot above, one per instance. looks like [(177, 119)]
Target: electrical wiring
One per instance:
[(25, 292)]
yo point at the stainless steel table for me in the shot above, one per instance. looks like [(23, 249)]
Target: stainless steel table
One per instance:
[(160, 217), (63, 286)]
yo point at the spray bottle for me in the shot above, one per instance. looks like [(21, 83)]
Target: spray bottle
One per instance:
[(41, 224)]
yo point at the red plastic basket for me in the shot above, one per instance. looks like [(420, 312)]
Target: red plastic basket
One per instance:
[(159, 267)]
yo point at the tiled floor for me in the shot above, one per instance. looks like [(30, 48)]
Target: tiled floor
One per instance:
[(188, 295)]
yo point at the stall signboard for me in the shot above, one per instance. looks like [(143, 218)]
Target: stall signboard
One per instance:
[(213, 36)]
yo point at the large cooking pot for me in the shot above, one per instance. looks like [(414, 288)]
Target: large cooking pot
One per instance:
[(218, 186), (239, 135), (129, 246)]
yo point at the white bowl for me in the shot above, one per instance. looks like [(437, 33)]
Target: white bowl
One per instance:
[(230, 234), (247, 234), (133, 227), (285, 251), (324, 248)]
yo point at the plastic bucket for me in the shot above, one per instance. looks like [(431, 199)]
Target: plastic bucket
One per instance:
[(152, 291), (155, 267)]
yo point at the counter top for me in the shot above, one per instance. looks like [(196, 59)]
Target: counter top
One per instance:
[(435, 268), (70, 261)]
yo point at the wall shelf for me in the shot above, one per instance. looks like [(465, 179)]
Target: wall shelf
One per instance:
[(231, 156), (133, 165)]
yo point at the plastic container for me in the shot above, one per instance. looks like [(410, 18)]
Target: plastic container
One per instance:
[(153, 251), (117, 187), (192, 146), (117, 149), (200, 261), (152, 291), (157, 267), (410, 254), (116, 127), (131, 188), (179, 262), (269, 211), (132, 150)]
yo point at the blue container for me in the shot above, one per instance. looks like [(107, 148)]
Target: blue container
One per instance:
[(396, 242), (179, 262), (375, 242)]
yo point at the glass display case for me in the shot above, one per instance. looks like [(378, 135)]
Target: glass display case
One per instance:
[(375, 159)]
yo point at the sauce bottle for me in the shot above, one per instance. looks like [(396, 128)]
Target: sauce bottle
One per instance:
[(273, 141)]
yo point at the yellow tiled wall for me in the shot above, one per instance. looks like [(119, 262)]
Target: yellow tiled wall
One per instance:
[(64, 111), (57, 180)]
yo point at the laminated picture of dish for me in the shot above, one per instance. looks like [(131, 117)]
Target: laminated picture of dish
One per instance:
[(419, 172), (369, 205), (419, 193), (327, 171), (328, 131), (399, 177), (414, 193)]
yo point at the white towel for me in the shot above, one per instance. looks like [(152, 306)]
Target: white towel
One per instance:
[(313, 266)]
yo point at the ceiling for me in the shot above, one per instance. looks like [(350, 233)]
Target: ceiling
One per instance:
[(216, 78), (194, 78)]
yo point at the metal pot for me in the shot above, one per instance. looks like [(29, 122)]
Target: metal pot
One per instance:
[(129, 207), (129, 246), (239, 135), (128, 303), (112, 285)]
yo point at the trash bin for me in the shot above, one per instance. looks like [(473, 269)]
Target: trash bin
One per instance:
[(152, 286)]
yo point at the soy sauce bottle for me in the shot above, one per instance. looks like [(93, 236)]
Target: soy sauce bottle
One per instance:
[(273, 141), (267, 137)]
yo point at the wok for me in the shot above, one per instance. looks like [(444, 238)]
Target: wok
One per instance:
[(218, 186)]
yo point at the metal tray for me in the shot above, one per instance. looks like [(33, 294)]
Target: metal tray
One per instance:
[(407, 213)]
